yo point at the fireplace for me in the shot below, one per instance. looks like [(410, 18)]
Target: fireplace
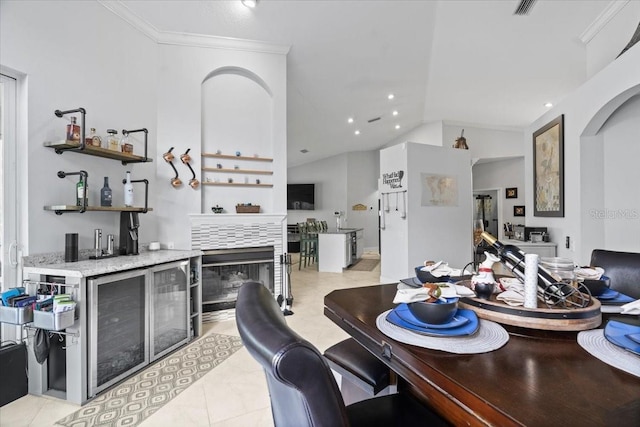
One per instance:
[(224, 271)]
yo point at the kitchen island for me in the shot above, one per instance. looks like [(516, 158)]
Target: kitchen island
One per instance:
[(135, 308), (338, 248)]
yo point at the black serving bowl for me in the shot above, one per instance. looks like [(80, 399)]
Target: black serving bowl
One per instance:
[(435, 313), (426, 277), (597, 287)]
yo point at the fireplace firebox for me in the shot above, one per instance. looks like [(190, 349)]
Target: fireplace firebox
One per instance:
[(225, 270)]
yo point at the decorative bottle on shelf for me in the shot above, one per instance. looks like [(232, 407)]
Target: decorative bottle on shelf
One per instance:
[(82, 192), (73, 131), (128, 191), (112, 140), (93, 139), (105, 193), (549, 287)]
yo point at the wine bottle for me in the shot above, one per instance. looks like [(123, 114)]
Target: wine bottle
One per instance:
[(511, 256), (105, 193), (128, 191), (82, 191)]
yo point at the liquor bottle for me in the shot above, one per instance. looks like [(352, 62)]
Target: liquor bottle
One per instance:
[(105, 193), (82, 192), (93, 139), (73, 131), (128, 191), (512, 257), (112, 140)]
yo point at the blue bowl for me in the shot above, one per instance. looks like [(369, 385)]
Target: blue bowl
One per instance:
[(435, 313), (426, 277), (597, 287)]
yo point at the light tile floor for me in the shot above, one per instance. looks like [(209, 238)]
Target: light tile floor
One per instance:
[(234, 393)]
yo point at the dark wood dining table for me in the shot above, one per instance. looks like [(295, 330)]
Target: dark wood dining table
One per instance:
[(539, 378)]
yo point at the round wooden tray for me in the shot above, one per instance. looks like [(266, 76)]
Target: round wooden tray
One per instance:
[(552, 319)]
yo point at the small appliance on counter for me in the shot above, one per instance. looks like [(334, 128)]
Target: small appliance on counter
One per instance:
[(129, 225), (522, 233)]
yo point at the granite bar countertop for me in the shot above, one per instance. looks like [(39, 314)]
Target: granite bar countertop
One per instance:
[(96, 267)]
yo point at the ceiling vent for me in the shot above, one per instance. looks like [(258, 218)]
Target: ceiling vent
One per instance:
[(373, 120), (304, 151), (524, 7)]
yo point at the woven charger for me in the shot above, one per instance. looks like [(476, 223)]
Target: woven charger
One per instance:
[(595, 343), (489, 336)]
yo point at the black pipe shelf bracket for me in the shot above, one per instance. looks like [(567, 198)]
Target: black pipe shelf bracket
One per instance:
[(85, 177), (146, 192), (126, 132), (83, 113)]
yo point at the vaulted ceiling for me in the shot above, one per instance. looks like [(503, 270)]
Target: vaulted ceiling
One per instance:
[(466, 62)]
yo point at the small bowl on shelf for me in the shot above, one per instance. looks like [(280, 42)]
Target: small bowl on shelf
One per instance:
[(434, 313)]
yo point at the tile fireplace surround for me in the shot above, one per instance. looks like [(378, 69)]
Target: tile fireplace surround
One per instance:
[(229, 231)]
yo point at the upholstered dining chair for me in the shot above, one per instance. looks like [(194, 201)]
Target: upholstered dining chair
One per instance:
[(302, 388), (622, 268)]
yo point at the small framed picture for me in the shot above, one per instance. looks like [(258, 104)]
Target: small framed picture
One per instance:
[(518, 211), (512, 193)]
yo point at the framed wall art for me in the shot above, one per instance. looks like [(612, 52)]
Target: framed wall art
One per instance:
[(518, 211), (512, 193), (548, 169)]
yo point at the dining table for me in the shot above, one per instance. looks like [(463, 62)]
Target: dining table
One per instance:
[(538, 378)]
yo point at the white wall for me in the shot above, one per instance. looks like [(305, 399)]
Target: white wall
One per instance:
[(607, 44), (362, 173), (78, 54), (585, 111)]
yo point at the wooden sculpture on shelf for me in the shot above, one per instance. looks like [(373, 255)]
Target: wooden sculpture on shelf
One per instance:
[(461, 143)]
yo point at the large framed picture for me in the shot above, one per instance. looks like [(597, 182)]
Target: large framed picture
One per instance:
[(548, 169)]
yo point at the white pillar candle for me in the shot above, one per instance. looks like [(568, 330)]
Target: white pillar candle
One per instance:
[(531, 280)]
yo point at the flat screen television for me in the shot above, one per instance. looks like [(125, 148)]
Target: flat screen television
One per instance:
[(301, 197)]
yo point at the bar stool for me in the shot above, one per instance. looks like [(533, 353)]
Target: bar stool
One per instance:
[(363, 375), (308, 245)]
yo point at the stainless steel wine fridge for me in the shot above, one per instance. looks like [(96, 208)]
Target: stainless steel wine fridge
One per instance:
[(134, 318)]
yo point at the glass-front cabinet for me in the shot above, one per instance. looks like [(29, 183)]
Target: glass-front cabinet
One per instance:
[(118, 328), (169, 305)]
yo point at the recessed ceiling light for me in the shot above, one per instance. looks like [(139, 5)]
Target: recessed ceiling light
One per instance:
[(350, 120), (391, 96), (249, 3), (357, 132), (397, 126), (395, 113), (548, 105)]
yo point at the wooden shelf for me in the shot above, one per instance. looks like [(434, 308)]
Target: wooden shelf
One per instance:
[(225, 156), (74, 208), (236, 184), (247, 171), (62, 146)]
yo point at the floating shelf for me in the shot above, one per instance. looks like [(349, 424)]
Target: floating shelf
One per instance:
[(62, 146), (73, 208), (236, 184), (225, 156), (247, 171)]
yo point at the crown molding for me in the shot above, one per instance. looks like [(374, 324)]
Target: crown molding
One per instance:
[(602, 20), (119, 9)]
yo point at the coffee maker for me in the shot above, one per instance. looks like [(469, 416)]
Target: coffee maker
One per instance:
[(129, 224)]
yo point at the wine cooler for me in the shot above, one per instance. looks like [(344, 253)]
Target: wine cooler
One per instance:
[(134, 318)]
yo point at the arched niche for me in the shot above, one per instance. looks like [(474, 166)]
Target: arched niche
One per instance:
[(237, 116), (609, 175)]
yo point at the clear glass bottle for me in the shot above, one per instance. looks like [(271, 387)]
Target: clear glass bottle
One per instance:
[(106, 193), (128, 191), (94, 139), (112, 140), (73, 131), (125, 146)]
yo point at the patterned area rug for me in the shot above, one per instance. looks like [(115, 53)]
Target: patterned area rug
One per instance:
[(132, 401), (365, 265)]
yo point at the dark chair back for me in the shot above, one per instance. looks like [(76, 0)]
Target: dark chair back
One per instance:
[(623, 268), (301, 385)]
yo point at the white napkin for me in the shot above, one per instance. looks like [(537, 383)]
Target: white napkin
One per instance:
[(422, 294), (631, 307), (441, 268), (514, 294), (593, 273)]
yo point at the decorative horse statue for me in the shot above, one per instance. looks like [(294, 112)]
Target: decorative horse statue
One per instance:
[(483, 282)]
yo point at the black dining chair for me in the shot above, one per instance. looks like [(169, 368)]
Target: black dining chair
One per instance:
[(302, 388)]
